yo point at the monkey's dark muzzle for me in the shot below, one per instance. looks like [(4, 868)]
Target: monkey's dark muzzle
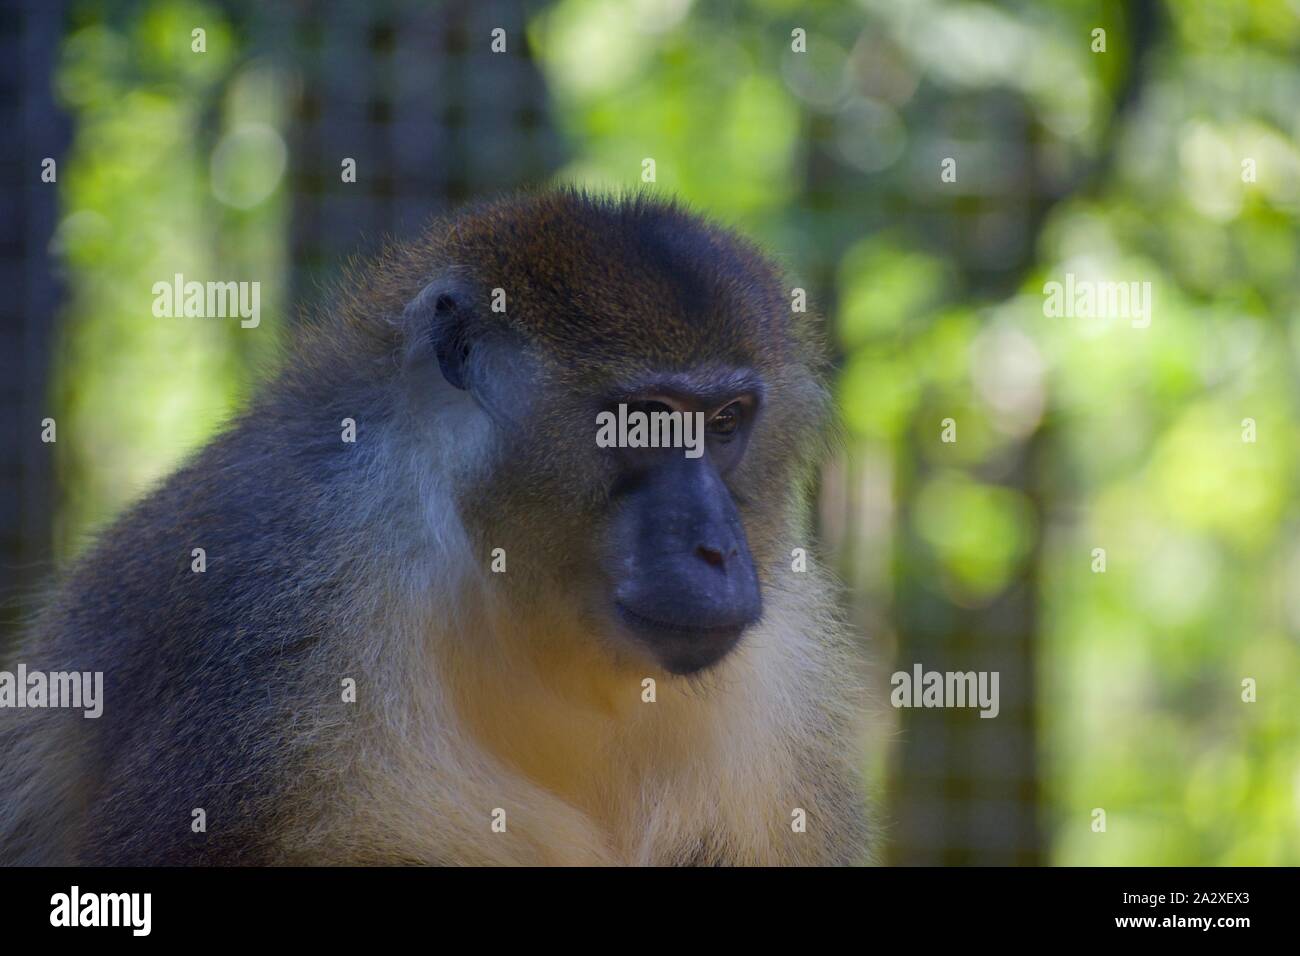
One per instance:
[(688, 588)]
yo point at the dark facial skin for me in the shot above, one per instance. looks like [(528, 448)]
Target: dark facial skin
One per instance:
[(684, 585)]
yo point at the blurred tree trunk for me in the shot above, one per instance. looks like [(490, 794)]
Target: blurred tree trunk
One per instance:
[(966, 788), (36, 130)]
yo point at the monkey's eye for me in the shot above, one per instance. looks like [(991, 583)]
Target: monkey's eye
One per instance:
[(726, 422)]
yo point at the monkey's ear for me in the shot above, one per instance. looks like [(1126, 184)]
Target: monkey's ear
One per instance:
[(438, 318)]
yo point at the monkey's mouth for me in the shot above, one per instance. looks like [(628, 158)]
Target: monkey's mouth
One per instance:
[(640, 620), (682, 648)]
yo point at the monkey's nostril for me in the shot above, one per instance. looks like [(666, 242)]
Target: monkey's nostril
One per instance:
[(711, 555)]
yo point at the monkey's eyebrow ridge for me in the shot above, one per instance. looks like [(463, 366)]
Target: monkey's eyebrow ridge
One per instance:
[(705, 389)]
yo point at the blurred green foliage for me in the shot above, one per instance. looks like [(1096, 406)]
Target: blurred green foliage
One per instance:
[(154, 185), (1123, 165)]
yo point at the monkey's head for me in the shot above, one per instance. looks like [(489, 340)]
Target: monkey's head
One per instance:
[(529, 325)]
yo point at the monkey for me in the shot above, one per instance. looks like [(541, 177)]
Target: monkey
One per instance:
[(470, 635)]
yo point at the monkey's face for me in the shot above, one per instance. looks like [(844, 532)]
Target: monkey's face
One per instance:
[(650, 541), (571, 324)]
